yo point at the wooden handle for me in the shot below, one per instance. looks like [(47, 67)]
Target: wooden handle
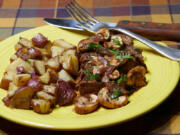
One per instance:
[(153, 31)]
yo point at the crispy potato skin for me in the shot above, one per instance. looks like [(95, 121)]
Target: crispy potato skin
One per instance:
[(41, 106), (22, 98), (4, 83)]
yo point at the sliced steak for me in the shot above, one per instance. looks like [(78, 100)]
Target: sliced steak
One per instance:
[(86, 87)]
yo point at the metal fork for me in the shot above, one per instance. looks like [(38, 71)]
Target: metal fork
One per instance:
[(91, 24)]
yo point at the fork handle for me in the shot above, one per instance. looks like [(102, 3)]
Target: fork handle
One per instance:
[(153, 31), (166, 51)]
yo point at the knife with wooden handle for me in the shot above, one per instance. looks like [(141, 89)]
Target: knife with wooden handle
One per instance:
[(153, 31)]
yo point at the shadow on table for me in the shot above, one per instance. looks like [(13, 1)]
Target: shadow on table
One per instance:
[(142, 125)]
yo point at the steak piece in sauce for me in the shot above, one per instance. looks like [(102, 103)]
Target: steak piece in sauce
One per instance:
[(109, 60), (86, 87)]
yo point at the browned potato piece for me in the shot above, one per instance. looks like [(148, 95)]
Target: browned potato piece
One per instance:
[(63, 75), (70, 63), (22, 98), (45, 78), (53, 63), (25, 42), (35, 84), (39, 67), (39, 40), (5, 83), (50, 89), (12, 68), (53, 75), (18, 46), (12, 89), (86, 104), (55, 51), (21, 79), (41, 106), (13, 58), (106, 101), (46, 96), (70, 51), (62, 43)]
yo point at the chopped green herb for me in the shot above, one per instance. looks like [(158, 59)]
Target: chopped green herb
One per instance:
[(137, 49), (121, 79), (121, 57), (93, 45), (95, 66), (91, 54), (28, 60), (116, 41), (91, 76), (115, 52), (125, 21), (108, 63), (116, 93), (89, 62), (160, 24)]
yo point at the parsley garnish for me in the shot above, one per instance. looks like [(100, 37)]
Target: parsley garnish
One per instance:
[(93, 45), (121, 54), (91, 54), (116, 41), (115, 52), (108, 63), (90, 76), (95, 66), (122, 79), (28, 60), (119, 57), (116, 93)]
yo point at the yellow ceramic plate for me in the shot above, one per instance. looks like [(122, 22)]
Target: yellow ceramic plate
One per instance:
[(162, 78)]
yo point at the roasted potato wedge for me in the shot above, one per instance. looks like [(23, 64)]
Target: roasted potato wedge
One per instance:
[(50, 89), (70, 51), (53, 63), (70, 63), (39, 67), (12, 68), (12, 89), (41, 106), (56, 50), (35, 84), (21, 79), (45, 78), (39, 40), (5, 83), (63, 75), (18, 46), (25, 42), (46, 96), (22, 98), (13, 58), (62, 43)]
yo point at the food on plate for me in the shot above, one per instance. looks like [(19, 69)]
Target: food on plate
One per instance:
[(36, 70), (110, 67), (102, 71)]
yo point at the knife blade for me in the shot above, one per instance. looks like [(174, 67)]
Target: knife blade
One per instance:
[(69, 24)]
